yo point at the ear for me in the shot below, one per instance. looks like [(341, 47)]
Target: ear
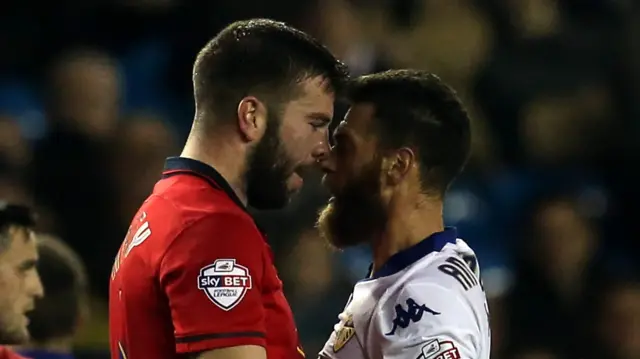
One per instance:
[(252, 118), (400, 164)]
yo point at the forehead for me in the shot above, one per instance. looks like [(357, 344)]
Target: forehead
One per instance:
[(315, 97), (22, 245)]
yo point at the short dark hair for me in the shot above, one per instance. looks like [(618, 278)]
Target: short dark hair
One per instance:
[(14, 215), (64, 279), (417, 109), (260, 57)]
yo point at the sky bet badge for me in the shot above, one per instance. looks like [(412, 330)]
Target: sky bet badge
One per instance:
[(345, 333), (225, 283)]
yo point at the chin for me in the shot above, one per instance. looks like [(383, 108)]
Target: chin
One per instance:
[(351, 221), (324, 228), (329, 224), (14, 337)]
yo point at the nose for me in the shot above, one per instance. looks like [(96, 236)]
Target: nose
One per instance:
[(37, 289), (321, 152)]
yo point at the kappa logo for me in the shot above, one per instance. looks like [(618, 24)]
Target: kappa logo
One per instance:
[(439, 349), (412, 314), (225, 283)]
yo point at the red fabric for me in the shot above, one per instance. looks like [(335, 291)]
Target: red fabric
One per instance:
[(162, 301), (6, 353)]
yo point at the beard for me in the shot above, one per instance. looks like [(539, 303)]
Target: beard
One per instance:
[(356, 215), (269, 170), (12, 333)]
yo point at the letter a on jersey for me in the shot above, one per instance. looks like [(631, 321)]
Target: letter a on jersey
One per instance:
[(225, 283), (344, 334)]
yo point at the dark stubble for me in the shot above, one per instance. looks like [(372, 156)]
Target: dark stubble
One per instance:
[(269, 167)]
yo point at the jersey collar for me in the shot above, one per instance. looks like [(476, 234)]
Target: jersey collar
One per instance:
[(407, 257), (182, 165)]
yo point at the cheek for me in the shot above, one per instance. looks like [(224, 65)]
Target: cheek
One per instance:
[(299, 141), (291, 131), (11, 288)]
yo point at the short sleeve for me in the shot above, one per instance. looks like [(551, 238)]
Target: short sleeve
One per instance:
[(428, 321), (211, 275)]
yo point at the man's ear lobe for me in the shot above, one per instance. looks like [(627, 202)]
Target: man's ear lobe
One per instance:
[(400, 164), (251, 116)]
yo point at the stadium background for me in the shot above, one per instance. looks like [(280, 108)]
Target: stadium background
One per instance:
[(94, 95)]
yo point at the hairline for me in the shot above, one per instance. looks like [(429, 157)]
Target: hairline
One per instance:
[(6, 239)]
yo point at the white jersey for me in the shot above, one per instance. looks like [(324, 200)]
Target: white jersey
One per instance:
[(426, 302)]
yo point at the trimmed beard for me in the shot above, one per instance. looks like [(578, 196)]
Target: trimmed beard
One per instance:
[(268, 170)]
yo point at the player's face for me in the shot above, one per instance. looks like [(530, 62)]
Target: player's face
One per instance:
[(19, 285), (295, 142), (355, 213)]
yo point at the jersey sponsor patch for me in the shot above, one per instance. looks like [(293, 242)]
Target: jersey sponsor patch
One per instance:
[(225, 283), (439, 349), (344, 334)]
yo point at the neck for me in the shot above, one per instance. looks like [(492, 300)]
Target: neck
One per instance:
[(60, 345), (222, 155), (407, 225)]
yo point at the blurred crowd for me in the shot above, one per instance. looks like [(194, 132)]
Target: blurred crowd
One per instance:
[(94, 95)]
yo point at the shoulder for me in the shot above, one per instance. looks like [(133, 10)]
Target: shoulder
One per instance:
[(190, 197), (187, 206), (219, 229), (441, 292), (447, 269)]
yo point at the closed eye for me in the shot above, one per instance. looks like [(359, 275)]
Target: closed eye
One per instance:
[(27, 265), (318, 125), (318, 120)]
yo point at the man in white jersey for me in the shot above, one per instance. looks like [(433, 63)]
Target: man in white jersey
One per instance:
[(403, 141)]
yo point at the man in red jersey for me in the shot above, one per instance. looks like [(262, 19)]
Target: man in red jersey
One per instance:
[(194, 277), (20, 284)]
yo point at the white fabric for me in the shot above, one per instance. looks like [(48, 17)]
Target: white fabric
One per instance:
[(438, 315)]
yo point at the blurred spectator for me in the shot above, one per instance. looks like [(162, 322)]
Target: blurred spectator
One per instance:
[(557, 280), (618, 325), (431, 44), (85, 93), (141, 146), (498, 321), (573, 127), (315, 289), (70, 172), (60, 314), (339, 25), (15, 152), (14, 190), (20, 284)]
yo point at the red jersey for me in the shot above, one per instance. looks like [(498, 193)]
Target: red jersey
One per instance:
[(195, 273), (6, 353)]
